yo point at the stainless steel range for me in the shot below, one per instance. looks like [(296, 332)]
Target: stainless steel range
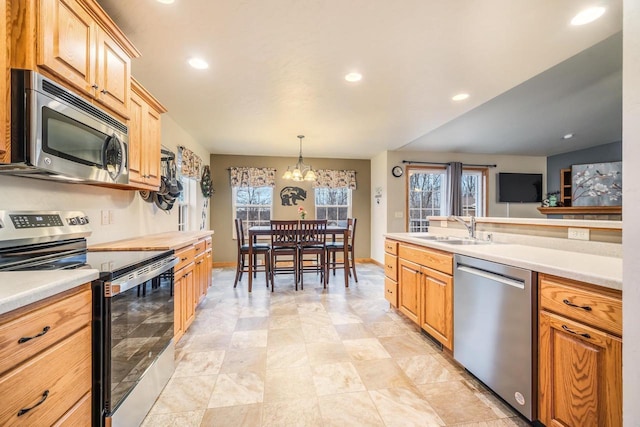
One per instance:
[(132, 307)]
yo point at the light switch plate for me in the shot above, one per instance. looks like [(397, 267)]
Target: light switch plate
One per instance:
[(398, 214), (578, 233)]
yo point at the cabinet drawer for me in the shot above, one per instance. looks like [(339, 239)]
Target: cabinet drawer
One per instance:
[(391, 266), (391, 291), (63, 372), (59, 319), (185, 256), (582, 303), (437, 260), (208, 243), (79, 415), (200, 247), (391, 247)]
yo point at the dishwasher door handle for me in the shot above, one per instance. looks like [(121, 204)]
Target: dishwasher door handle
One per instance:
[(492, 276)]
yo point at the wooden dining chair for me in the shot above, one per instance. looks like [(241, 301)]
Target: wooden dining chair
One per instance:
[(312, 242), (243, 252), (334, 248), (284, 249)]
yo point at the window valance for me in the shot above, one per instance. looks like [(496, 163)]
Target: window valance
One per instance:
[(252, 177), (328, 178), (190, 163)]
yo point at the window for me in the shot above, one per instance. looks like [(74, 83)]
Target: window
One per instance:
[(253, 205), (187, 206), (333, 204), (427, 194)]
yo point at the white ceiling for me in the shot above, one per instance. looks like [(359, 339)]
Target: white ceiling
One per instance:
[(277, 69)]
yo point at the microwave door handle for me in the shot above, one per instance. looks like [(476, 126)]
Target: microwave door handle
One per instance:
[(123, 161)]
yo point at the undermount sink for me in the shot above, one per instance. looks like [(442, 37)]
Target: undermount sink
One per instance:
[(438, 238), (466, 242)]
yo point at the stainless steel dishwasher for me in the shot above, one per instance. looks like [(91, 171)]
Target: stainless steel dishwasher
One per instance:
[(495, 328)]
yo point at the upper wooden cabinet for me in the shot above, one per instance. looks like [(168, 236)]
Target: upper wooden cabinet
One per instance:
[(76, 44), (144, 138)]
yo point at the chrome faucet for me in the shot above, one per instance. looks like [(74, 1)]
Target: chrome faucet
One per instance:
[(471, 227)]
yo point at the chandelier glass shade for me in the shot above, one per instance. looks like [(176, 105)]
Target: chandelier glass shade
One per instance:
[(301, 171)]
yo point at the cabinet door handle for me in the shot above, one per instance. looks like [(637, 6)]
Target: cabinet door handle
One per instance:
[(104, 91), (25, 339), (574, 332), (570, 304), (95, 86), (183, 259), (23, 411)]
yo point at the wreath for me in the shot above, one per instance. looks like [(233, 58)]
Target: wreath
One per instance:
[(205, 183)]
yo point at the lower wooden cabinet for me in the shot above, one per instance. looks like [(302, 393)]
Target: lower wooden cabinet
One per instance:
[(409, 282), (580, 354), (436, 306), (52, 385)]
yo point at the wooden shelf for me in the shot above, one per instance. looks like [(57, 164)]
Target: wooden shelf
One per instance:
[(582, 210)]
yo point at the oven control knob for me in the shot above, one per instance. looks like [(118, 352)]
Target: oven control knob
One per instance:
[(86, 220), (73, 221), (81, 220)]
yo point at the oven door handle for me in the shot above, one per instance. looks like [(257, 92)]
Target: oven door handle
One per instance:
[(118, 286)]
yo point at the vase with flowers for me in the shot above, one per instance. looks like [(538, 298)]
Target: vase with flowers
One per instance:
[(302, 212)]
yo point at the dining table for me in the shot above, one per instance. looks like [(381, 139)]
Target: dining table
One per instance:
[(332, 230)]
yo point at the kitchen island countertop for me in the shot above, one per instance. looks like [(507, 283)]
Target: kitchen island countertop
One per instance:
[(154, 242), (21, 288), (599, 270)]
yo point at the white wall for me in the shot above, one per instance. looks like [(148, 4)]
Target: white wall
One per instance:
[(525, 164), (630, 208), (379, 210), (132, 216)]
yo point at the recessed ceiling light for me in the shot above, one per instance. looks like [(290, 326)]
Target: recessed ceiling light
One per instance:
[(198, 63), (166, 1), (588, 15), (353, 77), (460, 97), (568, 136)]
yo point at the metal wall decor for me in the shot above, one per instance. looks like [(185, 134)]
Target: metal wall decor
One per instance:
[(291, 195)]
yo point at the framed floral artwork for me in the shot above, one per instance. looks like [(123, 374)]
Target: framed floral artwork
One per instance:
[(596, 184)]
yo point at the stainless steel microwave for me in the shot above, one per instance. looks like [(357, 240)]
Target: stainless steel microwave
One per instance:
[(56, 134)]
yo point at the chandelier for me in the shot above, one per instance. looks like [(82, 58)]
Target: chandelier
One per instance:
[(300, 172)]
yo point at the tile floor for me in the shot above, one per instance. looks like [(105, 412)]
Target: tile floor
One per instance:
[(335, 357)]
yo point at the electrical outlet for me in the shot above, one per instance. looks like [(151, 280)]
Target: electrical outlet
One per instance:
[(398, 214), (444, 224), (578, 233), (104, 217)]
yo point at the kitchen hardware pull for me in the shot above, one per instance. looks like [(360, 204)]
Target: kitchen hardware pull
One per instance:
[(574, 332), (23, 411), (183, 259), (491, 276), (95, 86), (570, 304), (25, 339), (104, 91)]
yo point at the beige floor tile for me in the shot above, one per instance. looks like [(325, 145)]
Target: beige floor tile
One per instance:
[(233, 416), (353, 331), (404, 346), (198, 363), (365, 349), (456, 403), (491, 423), (344, 318), (284, 321), (404, 407), (185, 394), (206, 342), (425, 369), (292, 413), (252, 359), (317, 334), (288, 384), (287, 356), (254, 312), (386, 329), (178, 419), (315, 319), (327, 352), (382, 373), (349, 409), (286, 336), (248, 339), (497, 406), (241, 388), (252, 323), (289, 309), (336, 378)]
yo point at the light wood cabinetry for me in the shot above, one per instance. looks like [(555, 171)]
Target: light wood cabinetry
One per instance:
[(4, 87), (565, 187), (424, 289), (391, 272), (580, 354), (45, 378), (144, 138), (75, 43)]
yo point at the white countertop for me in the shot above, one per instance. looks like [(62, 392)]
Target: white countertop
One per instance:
[(596, 269), (21, 288), (580, 223)]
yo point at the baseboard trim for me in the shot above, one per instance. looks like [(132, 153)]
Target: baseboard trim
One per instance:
[(224, 264)]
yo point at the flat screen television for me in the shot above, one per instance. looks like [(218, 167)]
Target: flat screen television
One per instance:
[(519, 187)]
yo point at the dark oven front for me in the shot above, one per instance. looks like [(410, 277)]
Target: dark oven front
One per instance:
[(134, 327)]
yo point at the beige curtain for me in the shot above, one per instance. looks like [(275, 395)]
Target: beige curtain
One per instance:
[(328, 178), (252, 177)]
